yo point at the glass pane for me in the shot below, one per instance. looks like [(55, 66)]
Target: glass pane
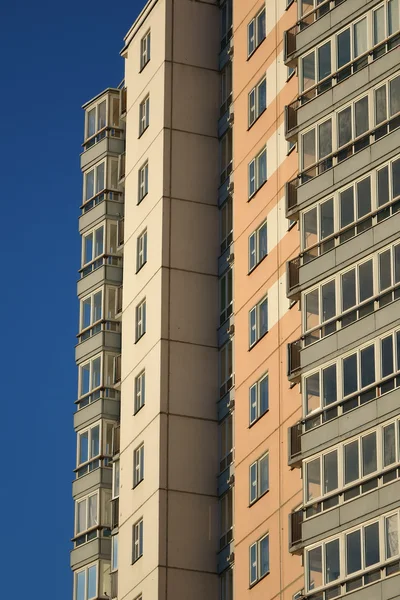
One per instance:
[(97, 305), (96, 372), (99, 242), (92, 511), (260, 27), (366, 280), (325, 139), (393, 16), (331, 472), (252, 252), (85, 379), (363, 197), (383, 186), (83, 447), (392, 536), (344, 126), (264, 556), (396, 178), (343, 48), (351, 462), (253, 482), (263, 469), (81, 586), (313, 474), (324, 61), (253, 403), (347, 207), (397, 263), (394, 102), (369, 461), (262, 96), (353, 552), (350, 375), (327, 219), (360, 37), (253, 563), (89, 185), (312, 393), (263, 317), (81, 517), (380, 105), (385, 270), (91, 122), (263, 395), (315, 568), (329, 385), (92, 582), (101, 115), (367, 366), (86, 312), (371, 535), (95, 441), (114, 553), (349, 289), (100, 178), (332, 561), (361, 116), (308, 68), (312, 309), (310, 228), (328, 301), (308, 146), (262, 242), (389, 445), (262, 168), (387, 356)]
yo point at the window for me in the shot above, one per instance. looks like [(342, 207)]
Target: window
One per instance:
[(352, 551), (86, 583), (226, 23), (115, 480), (258, 398), (259, 478), (226, 296), (96, 118), (226, 442), (226, 519), (226, 87), (140, 391), (91, 312), (86, 514), (144, 50), (114, 552), (256, 32), (92, 442), (259, 559), (227, 378), (226, 225), (94, 181), (257, 172), (226, 585), (257, 101), (290, 71), (143, 182), (137, 541), (140, 320), (138, 465), (225, 147), (144, 115), (92, 245), (141, 250), (258, 321), (258, 246), (89, 376)]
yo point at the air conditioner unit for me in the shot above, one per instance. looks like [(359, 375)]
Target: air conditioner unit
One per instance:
[(230, 257), (231, 329), (230, 558), (231, 187), (231, 480), (231, 404)]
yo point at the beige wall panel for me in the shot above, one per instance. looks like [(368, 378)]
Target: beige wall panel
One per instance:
[(189, 584)]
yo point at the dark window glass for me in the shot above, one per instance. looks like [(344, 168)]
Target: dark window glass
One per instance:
[(330, 472), (367, 366), (361, 116), (383, 186), (332, 561), (397, 263), (351, 462), (343, 48), (325, 139), (389, 445), (344, 126), (371, 533), (363, 197), (350, 375), (380, 105), (385, 274), (328, 301), (396, 178), (329, 385), (346, 207), (366, 280), (327, 217), (349, 289), (353, 552), (394, 101), (369, 453), (324, 61), (387, 356)]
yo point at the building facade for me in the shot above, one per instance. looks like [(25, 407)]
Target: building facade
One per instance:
[(237, 416)]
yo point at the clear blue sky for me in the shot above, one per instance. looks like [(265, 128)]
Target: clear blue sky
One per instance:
[(54, 56)]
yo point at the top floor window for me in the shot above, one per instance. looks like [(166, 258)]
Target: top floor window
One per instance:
[(144, 50), (256, 32), (105, 113)]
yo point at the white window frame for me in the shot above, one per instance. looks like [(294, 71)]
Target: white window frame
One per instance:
[(254, 240), (257, 563), (139, 391), (144, 115), (137, 550), (253, 34), (92, 232), (141, 250), (138, 465), (145, 49), (90, 363), (96, 107), (255, 390), (86, 499), (255, 322), (143, 181), (255, 478), (140, 320), (90, 297), (254, 111), (86, 569), (254, 174)]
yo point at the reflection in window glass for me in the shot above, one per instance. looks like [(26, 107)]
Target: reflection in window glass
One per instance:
[(313, 479), (367, 366), (312, 393), (315, 568), (371, 535), (350, 375), (389, 445), (343, 48), (369, 459), (332, 561), (392, 536), (330, 472), (344, 126), (353, 552), (351, 462)]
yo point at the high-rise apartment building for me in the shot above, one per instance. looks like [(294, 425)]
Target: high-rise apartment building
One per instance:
[(238, 418)]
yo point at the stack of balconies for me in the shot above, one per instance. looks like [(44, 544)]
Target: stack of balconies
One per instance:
[(226, 324), (346, 198), (99, 345)]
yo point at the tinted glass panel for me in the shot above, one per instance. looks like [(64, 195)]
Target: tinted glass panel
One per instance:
[(327, 222), (343, 48), (351, 462), (324, 61), (344, 126), (332, 561), (329, 385), (349, 289), (363, 197), (367, 366), (366, 280), (383, 186), (330, 472), (368, 444), (346, 207), (361, 116), (371, 534), (387, 356), (353, 552)]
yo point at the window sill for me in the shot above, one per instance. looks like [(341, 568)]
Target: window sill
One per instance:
[(135, 412), (291, 149), (140, 268), (258, 580), (256, 265), (135, 560), (257, 190), (257, 341), (291, 225), (139, 338), (142, 68), (255, 120), (289, 4), (257, 499), (143, 132), (257, 47), (293, 72), (138, 483), (258, 419), (140, 200)]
